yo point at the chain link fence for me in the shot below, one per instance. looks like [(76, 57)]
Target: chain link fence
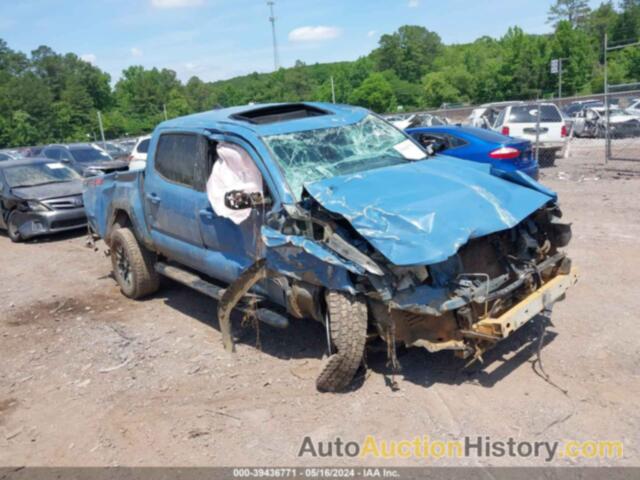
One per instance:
[(623, 123)]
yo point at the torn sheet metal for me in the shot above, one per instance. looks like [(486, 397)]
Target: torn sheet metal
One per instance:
[(307, 260), (424, 299), (233, 294), (421, 213), (234, 170)]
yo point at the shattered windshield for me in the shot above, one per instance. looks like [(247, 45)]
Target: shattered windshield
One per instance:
[(318, 154)]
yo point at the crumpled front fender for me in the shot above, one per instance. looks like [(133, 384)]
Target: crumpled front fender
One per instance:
[(307, 260)]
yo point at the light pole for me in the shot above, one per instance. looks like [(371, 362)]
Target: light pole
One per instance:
[(272, 19)]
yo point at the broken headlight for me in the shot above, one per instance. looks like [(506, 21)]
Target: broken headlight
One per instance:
[(35, 206)]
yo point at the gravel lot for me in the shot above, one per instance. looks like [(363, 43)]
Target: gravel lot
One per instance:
[(90, 378)]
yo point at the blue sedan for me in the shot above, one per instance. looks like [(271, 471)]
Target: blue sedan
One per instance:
[(479, 145)]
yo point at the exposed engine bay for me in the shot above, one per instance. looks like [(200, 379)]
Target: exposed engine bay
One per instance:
[(451, 305)]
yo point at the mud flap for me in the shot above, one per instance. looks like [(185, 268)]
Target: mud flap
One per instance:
[(233, 294)]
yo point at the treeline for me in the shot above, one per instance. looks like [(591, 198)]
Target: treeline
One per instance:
[(48, 97)]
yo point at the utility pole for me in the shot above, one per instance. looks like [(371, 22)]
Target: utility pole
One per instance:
[(333, 90), (164, 109), (607, 147), (272, 19), (538, 107), (104, 142)]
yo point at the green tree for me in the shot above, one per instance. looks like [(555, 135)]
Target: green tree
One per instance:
[(375, 93), (409, 52), (524, 64), (627, 28), (438, 90), (576, 12), (198, 95), (143, 94), (602, 20), (574, 46), (178, 105)]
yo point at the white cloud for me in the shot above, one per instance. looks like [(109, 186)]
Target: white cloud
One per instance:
[(372, 33), (136, 52), (176, 3), (314, 34), (89, 57), (414, 3)]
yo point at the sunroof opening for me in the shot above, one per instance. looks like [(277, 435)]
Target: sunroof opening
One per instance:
[(279, 113)]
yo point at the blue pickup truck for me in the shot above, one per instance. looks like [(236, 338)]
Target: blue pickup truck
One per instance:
[(327, 212)]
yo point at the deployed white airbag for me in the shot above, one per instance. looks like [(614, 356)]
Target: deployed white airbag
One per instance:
[(233, 170)]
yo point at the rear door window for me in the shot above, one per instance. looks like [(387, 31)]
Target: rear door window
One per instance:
[(53, 153), (144, 146), (182, 158), (455, 142), (529, 114)]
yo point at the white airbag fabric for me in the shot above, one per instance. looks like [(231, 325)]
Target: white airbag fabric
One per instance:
[(233, 170)]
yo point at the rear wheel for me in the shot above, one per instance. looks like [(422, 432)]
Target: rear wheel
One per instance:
[(347, 317), (13, 229), (133, 265)]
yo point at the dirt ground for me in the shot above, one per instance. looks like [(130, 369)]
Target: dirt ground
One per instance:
[(88, 377)]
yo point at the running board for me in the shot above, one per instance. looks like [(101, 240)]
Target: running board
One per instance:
[(191, 280)]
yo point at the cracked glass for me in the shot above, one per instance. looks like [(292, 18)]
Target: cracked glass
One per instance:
[(314, 155)]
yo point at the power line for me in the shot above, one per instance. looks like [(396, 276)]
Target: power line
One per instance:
[(272, 19)]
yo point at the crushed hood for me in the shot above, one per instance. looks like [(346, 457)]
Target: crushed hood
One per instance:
[(421, 213)]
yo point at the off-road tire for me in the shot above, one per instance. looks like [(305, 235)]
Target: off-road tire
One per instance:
[(547, 158), (142, 278), (347, 318), (12, 229)]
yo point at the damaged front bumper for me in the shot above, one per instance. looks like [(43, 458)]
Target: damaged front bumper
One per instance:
[(33, 224), (481, 311), (537, 302)]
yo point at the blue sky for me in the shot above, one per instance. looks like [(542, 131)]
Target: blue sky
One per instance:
[(217, 39)]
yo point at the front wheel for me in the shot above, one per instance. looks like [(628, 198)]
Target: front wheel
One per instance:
[(13, 229), (133, 265), (347, 317)]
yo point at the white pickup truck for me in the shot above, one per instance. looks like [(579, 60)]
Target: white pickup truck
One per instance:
[(521, 121)]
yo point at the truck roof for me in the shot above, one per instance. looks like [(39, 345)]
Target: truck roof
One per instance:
[(271, 119)]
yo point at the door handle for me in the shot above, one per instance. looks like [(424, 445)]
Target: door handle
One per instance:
[(207, 213), (153, 198)]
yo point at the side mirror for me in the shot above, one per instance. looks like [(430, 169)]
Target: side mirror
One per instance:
[(240, 200)]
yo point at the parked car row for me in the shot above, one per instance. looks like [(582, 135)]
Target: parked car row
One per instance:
[(540, 123), (41, 187), (591, 122), (39, 197)]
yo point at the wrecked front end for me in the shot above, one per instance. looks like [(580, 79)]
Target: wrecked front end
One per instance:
[(440, 263)]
